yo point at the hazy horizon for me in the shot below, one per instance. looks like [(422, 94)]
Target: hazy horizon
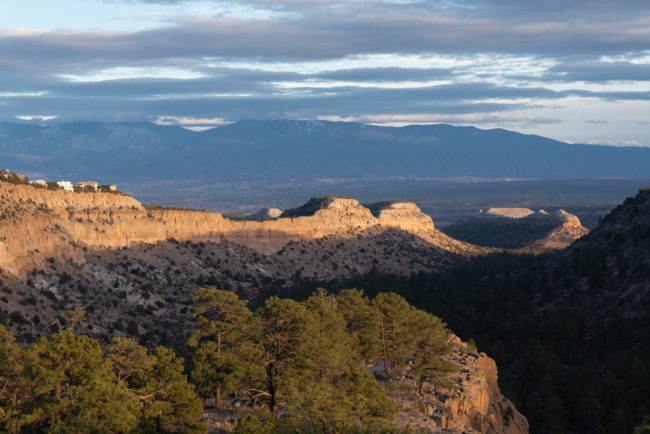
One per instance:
[(576, 72)]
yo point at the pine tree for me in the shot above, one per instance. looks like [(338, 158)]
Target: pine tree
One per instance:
[(13, 390), (170, 403), (221, 318), (128, 359), (395, 333), (283, 336), (431, 343), (362, 322), (64, 372), (332, 350), (336, 393), (100, 407)]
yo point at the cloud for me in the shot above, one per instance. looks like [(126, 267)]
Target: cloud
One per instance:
[(364, 27), (191, 123), (616, 142), (428, 118), (599, 71), (126, 73), (39, 118), (383, 74), (21, 94), (201, 63)]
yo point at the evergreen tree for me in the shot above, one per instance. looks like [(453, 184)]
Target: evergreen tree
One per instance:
[(332, 350), (100, 407), (65, 383), (64, 372), (336, 394), (362, 322), (643, 427), (430, 344), (251, 424), (395, 332), (169, 401), (283, 335), (128, 359), (13, 390), (221, 318)]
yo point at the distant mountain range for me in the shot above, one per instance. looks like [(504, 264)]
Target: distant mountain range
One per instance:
[(287, 150)]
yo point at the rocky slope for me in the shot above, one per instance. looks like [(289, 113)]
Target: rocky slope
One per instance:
[(519, 228), (609, 268), (129, 265), (474, 405)]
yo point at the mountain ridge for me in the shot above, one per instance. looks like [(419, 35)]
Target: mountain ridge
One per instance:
[(290, 150)]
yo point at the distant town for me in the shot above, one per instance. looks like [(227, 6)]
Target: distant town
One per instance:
[(85, 186)]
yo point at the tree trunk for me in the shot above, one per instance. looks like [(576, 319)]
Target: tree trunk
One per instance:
[(14, 418), (217, 398), (421, 384), (274, 403), (395, 361), (383, 344), (273, 393)]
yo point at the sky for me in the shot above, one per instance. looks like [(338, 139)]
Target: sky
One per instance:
[(577, 71)]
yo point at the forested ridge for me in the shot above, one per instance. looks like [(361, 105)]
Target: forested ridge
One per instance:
[(570, 332), (299, 366)]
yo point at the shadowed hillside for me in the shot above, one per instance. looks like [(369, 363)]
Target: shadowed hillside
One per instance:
[(517, 228), (569, 331)]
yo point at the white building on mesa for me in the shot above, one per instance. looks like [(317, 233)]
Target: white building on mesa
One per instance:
[(40, 182), (92, 184), (65, 185)]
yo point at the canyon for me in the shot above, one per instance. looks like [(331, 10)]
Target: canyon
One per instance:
[(133, 269)]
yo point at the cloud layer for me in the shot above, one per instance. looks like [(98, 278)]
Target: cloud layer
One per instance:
[(577, 71)]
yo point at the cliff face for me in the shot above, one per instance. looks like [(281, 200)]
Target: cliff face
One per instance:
[(403, 215), (514, 213), (54, 223), (475, 405), (63, 200)]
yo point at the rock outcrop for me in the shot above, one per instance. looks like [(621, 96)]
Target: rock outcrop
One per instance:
[(475, 405), (399, 214), (264, 214), (519, 228), (514, 213)]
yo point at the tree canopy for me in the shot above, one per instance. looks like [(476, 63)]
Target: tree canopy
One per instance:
[(69, 383)]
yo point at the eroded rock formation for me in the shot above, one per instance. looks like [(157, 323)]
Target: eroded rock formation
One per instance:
[(475, 405), (54, 223), (519, 228)]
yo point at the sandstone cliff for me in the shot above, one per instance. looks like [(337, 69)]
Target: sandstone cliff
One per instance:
[(54, 223), (475, 405), (515, 213)]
